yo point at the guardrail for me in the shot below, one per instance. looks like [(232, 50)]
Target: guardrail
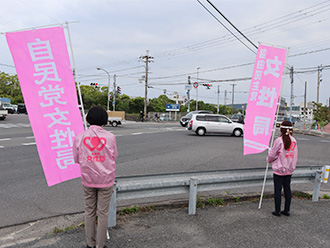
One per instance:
[(135, 187)]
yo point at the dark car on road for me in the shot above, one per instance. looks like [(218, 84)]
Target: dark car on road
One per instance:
[(21, 109), (185, 119)]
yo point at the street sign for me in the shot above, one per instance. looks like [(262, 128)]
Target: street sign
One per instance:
[(172, 107), (187, 87), (195, 85)]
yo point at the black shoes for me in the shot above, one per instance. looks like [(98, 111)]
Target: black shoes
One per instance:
[(276, 214), (285, 213), (282, 212)]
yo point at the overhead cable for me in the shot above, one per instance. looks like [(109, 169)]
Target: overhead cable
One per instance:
[(226, 27)]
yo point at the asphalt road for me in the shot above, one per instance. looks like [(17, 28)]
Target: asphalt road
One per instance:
[(144, 148)]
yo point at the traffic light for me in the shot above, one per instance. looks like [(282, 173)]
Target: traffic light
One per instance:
[(94, 84), (118, 90), (208, 86)]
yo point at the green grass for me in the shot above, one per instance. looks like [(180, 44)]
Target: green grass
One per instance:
[(215, 201), (303, 195), (129, 211), (325, 196)]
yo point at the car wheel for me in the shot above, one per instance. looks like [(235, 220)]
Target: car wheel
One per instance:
[(201, 131), (114, 124), (237, 132)]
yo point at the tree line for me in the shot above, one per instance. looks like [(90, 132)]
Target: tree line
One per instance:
[(10, 88)]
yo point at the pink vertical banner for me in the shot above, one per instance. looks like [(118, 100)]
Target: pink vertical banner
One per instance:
[(264, 93), (43, 68)]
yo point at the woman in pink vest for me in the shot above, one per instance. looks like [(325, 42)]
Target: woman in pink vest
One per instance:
[(284, 156), (95, 150)]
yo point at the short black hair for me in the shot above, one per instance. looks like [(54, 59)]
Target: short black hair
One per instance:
[(97, 116)]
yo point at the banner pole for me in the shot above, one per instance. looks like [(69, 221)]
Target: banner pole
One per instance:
[(274, 130), (76, 79)]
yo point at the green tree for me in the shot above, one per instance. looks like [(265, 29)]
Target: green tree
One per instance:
[(321, 114), (136, 105), (92, 97), (10, 88), (159, 104), (123, 103)]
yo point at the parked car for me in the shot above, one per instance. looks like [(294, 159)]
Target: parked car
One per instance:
[(238, 118), (8, 107), (213, 123), (185, 119), (21, 109), (15, 107), (3, 113)]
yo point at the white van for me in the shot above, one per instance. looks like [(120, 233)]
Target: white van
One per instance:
[(213, 123)]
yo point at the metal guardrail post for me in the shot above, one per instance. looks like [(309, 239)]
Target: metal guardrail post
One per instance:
[(112, 218), (317, 185), (192, 196)]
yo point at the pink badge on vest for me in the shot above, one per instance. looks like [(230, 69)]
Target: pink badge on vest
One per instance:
[(94, 143)]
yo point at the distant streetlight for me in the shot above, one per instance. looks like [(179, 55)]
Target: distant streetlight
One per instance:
[(98, 68)]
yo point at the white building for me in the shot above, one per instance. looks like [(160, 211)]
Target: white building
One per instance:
[(308, 111)]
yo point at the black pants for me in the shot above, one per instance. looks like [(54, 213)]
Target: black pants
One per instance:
[(279, 182)]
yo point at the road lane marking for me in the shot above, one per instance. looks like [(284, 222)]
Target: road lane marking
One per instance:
[(136, 133), (325, 141), (29, 144), (302, 139), (2, 147), (30, 137), (5, 139)]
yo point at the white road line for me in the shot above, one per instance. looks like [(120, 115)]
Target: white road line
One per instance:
[(325, 141), (5, 139), (30, 137), (29, 144), (136, 133), (302, 139), (2, 147)]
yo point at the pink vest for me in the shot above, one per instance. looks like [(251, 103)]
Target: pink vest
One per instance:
[(284, 161), (95, 150)]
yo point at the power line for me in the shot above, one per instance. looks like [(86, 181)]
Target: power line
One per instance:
[(232, 24), (225, 27)]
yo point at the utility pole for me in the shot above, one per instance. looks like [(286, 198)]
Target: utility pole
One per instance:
[(319, 80), (114, 93), (305, 96), (232, 99), (189, 83), (292, 97), (197, 90), (218, 99), (147, 59), (225, 102)]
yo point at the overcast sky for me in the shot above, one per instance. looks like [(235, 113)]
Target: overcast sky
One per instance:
[(181, 36)]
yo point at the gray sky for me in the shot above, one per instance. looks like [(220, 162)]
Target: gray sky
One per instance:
[(182, 36)]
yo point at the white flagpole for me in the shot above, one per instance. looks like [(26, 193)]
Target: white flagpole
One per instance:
[(274, 129), (76, 78)]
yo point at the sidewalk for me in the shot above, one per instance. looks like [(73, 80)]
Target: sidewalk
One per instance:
[(239, 224)]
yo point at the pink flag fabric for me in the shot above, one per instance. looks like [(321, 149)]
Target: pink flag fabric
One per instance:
[(264, 93), (43, 68)]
